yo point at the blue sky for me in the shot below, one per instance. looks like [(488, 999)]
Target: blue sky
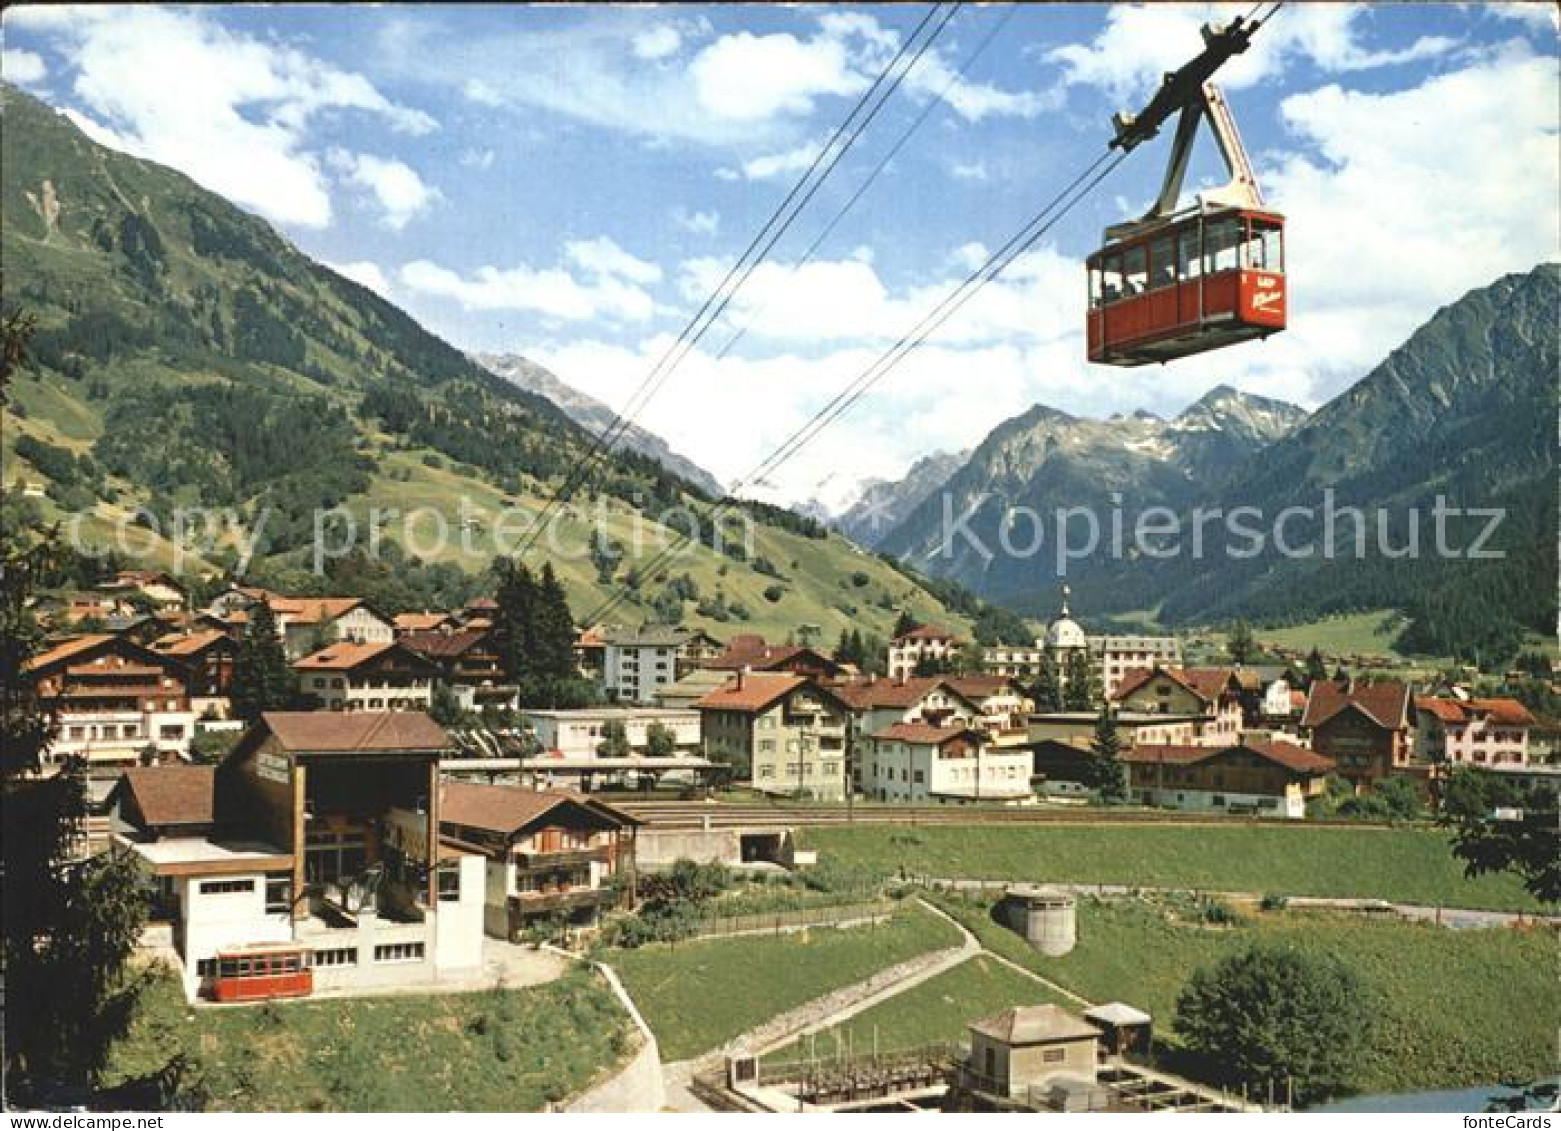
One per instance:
[(569, 182)]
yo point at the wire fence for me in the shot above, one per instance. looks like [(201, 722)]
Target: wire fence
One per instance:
[(779, 921)]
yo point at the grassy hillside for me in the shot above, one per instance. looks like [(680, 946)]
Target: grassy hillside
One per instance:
[(1453, 1008), (186, 355), (498, 1050)]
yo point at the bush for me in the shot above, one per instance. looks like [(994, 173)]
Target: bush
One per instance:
[(1273, 902), (1270, 1014)]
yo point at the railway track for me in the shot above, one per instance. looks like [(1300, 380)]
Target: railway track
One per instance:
[(717, 815)]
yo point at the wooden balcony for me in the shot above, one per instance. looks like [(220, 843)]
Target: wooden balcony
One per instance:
[(538, 902), (564, 858)]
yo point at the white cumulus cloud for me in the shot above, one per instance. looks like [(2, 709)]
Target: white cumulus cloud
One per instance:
[(400, 193), (24, 68), (233, 111)]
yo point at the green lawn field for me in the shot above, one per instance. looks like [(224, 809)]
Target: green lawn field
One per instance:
[(1454, 1008), (940, 1009), (698, 995), (1412, 865), (501, 1050)]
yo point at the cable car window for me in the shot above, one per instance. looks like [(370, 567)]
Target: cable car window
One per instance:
[(1162, 264), (1111, 283), (1273, 248), (1135, 270), (1219, 244), (1094, 287), (1189, 262)]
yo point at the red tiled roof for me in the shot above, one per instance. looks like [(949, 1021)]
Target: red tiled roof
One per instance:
[(419, 622), (924, 734), (1285, 754), (980, 686), (749, 651), (752, 691), (353, 731), (1208, 684), (314, 610), (188, 644), (346, 655), (1503, 711), (926, 632), (66, 649), (172, 795), (443, 643), (864, 694), (1385, 703)]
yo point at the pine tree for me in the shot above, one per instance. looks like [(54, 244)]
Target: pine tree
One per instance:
[(1080, 691), (1106, 773), (904, 623), (1239, 643), (1316, 669), (262, 679), (1047, 691), (843, 653), (71, 923), (514, 620), (555, 638), (443, 707)]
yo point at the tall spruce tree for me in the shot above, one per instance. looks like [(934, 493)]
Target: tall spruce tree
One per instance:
[(1047, 691), (1239, 644), (1107, 774), (903, 623), (555, 630), (514, 620), (71, 920), (1080, 691), (262, 678)]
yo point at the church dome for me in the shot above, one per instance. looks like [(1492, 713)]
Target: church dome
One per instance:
[(1064, 632)]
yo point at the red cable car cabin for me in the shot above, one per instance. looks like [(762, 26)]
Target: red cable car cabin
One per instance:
[(259, 973), (1199, 281)]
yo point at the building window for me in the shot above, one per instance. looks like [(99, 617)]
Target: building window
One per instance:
[(399, 952), (449, 883), (1053, 1056), (340, 956), (226, 887), (279, 894)]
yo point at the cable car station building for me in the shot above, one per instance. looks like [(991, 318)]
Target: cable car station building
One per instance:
[(309, 859)]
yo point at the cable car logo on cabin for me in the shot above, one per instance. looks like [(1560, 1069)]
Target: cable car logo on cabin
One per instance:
[(1176, 283)]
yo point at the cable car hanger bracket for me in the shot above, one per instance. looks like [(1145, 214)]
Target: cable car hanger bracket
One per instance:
[(1188, 93)]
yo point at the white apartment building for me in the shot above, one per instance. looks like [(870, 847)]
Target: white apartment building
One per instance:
[(919, 763)]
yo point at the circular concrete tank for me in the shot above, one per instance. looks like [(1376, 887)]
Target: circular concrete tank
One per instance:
[(1046, 917)]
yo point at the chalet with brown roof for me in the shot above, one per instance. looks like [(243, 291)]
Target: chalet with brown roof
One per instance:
[(1004, 703), (1212, 696), (880, 703), (1274, 779), (407, 623), (747, 651), (150, 589), (922, 763), (1364, 727), (550, 854), (306, 622), (924, 643), (789, 731), (384, 676), (1489, 732), (207, 657), (466, 661), (115, 702)]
